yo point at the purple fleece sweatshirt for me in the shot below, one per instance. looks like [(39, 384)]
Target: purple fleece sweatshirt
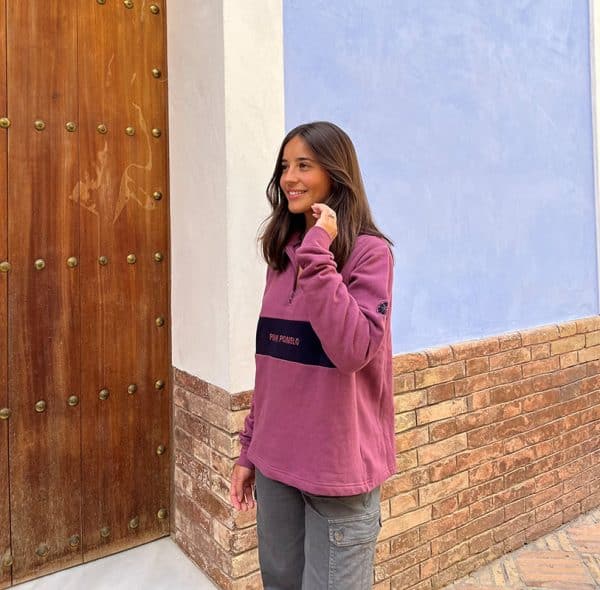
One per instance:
[(322, 415)]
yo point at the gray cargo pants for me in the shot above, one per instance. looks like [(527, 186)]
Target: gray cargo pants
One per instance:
[(308, 542)]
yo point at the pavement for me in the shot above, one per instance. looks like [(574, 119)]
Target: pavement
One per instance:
[(567, 559)]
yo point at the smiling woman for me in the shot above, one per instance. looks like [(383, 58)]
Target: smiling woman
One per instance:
[(303, 180), (323, 369)]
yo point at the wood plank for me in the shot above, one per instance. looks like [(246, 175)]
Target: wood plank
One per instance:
[(43, 308), (124, 478), (5, 570)]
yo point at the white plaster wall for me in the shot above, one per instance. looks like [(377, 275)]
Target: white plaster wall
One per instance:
[(254, 106), (226, 121)]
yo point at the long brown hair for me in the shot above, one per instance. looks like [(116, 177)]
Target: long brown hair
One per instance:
[(335, 152)]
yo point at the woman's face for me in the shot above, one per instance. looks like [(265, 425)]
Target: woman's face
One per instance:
[(303, 180)]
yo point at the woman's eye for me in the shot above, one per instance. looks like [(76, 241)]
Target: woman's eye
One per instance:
[(303, 166)]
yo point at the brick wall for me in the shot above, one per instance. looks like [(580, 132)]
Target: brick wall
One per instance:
[(498, 443)]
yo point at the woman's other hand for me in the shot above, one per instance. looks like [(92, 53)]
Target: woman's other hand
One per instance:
[(242, 483), (326, 218)]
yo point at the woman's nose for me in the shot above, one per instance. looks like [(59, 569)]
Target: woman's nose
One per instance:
[(289, 176)]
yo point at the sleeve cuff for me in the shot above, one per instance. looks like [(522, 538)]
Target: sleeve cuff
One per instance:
[(244, 461), (317, 235)]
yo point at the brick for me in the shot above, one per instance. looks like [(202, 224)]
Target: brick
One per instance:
[(183, 482), (409, 560), (481, 507), (592, 339), (404, 382), (440, 374), (509, 341), (569, 359), (476, 348), (382, 552), (442, 469), (244, 563), (436, 528), (589, 354), (221, 464), (476, 493), (440, 393), (510, 391), (541, 528), (406, 461), (409, 520), (199, 472), (190, 383), (477, 366), (477, 418), (483, 473), (442, 410), (480, 543), (478, 382), (442, 430), (412, 439), (539, 335), (410, 400), (516, 509), (481, 437), (404, 421), (236, 541), (510, 357), (404, 482), (435, 451), (567, 329), (539, 367), (588, 324), (479, 525), (439, 490), (567, 344), (404, 503), (444, 507), (541, 400), (439, 356), (520, 523), (474, 457), (384, 509), (403, 579), (191, 424), (403, 542), (569, 375), (220, 486), (540, 351), (224, 443), (241, 400), (454, 555), (406, 363)]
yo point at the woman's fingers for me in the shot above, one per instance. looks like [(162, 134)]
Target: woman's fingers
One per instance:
[(326, 218), (240, 493)]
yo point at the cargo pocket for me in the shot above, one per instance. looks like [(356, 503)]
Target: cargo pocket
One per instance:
[(351, 551)]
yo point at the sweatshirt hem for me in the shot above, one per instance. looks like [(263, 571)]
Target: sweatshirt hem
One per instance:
[(320, 488)]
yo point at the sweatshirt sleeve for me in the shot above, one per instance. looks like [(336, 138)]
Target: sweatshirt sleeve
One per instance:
[(350, 321), (246, 437)]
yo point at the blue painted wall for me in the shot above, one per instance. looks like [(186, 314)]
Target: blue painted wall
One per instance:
[(472, 120)]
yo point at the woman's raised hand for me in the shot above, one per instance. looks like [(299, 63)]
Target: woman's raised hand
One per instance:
[(326, 218)]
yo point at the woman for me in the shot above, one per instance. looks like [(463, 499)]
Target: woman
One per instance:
[(319, 439)]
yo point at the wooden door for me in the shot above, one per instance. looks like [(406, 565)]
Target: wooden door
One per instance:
[(43, 294), (125, 275), (86, 301), (5, 552)]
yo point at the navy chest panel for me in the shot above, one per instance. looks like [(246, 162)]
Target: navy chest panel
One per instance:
[(290, 340)]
